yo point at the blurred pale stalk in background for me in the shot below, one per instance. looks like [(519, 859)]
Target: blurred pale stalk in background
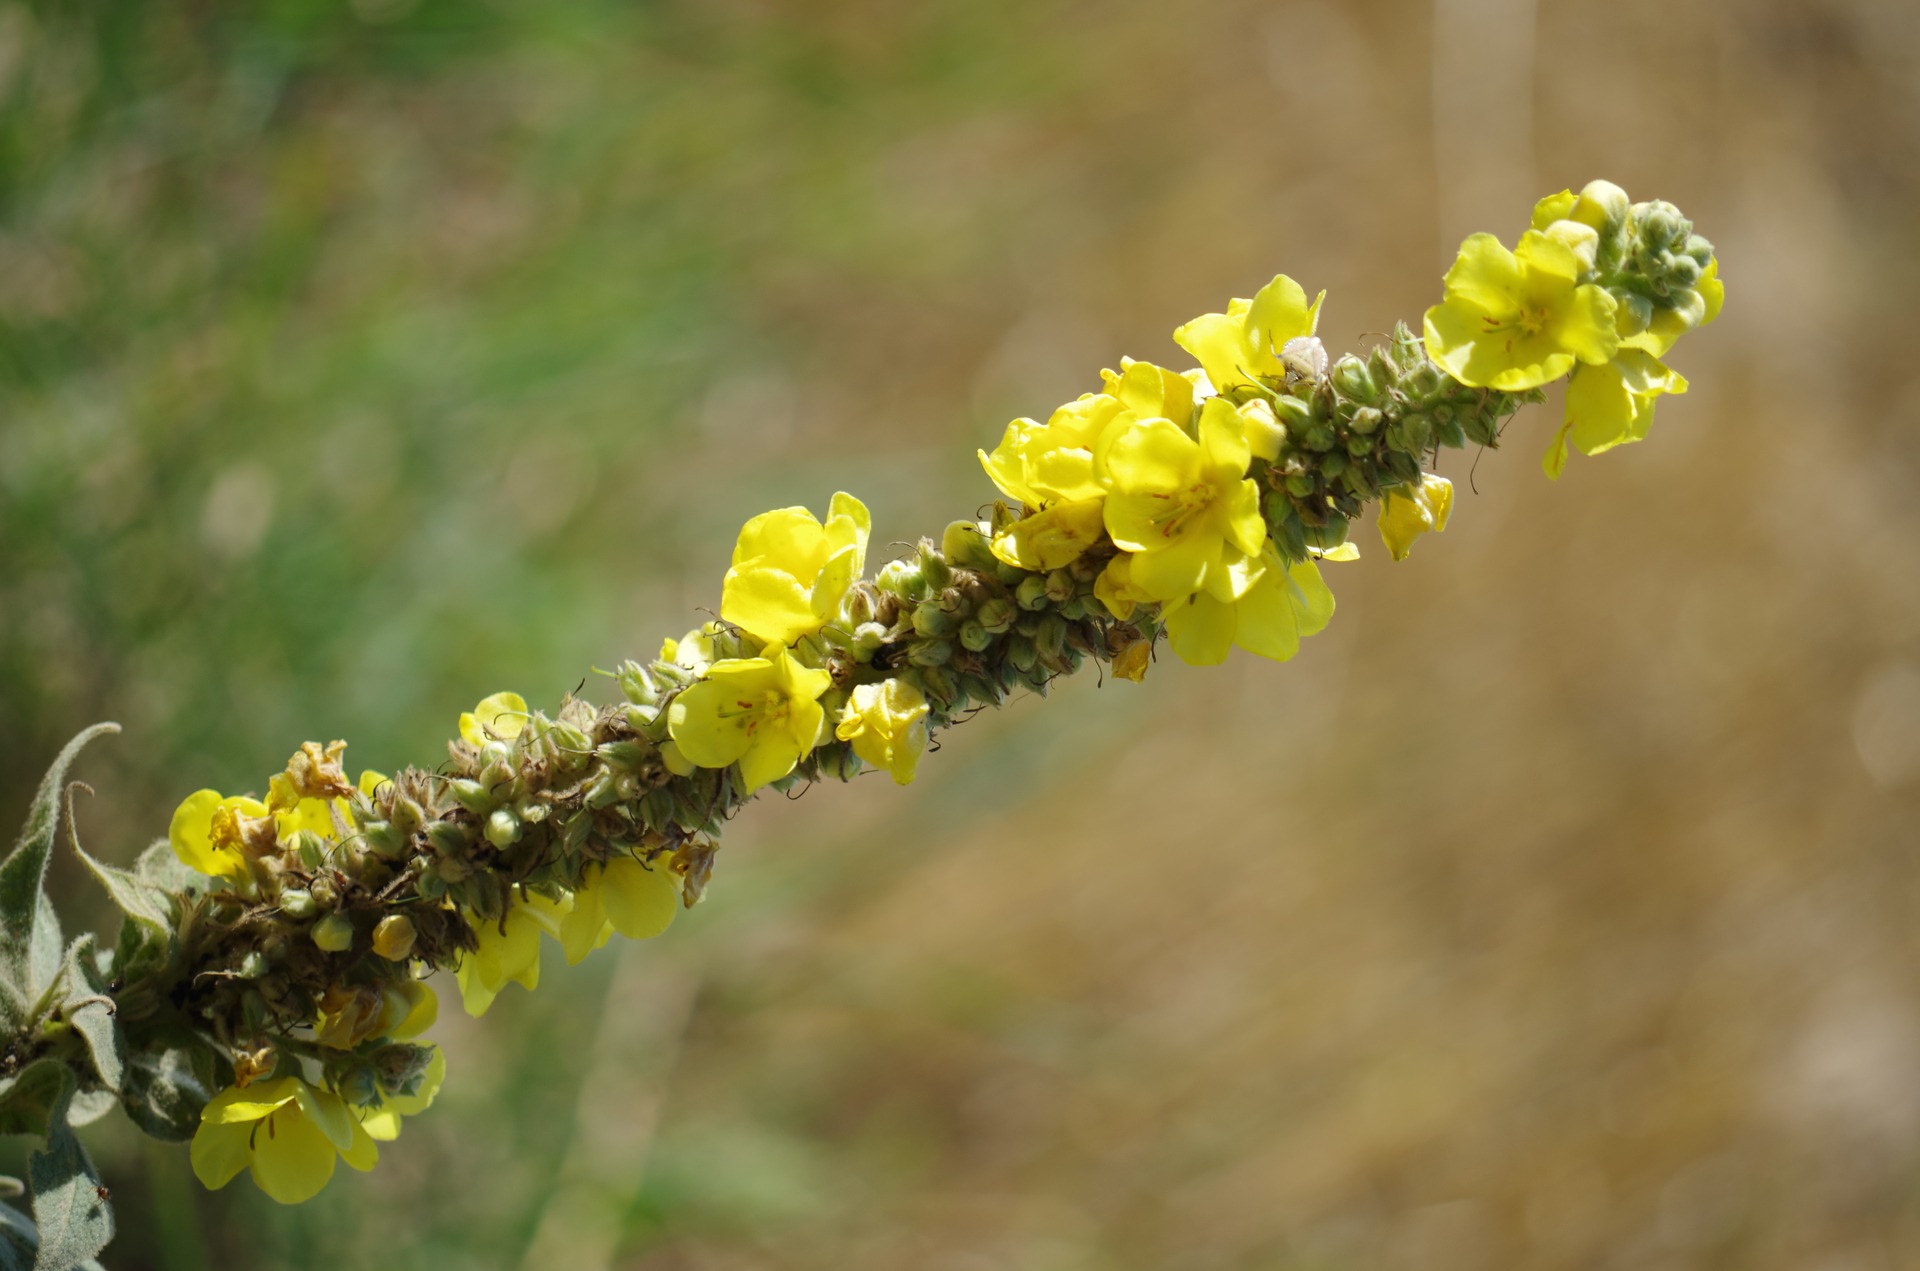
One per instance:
[(1554, 909)]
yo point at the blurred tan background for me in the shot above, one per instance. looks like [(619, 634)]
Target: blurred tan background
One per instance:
[(1558, 907)]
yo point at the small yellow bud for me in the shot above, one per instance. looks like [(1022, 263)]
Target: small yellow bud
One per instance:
[(393, 938), (334, 933)]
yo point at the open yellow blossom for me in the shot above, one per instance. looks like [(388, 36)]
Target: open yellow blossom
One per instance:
[(1182, 506), (383, 1122), (1610, 405), (1244, 343), (286, 1132), (692, 651), (1048, 469), (790, 572), (887, 724), (1406, 514), (625, 895), (212, 833), (1282, 606), (762, 713), (1515, 320), (508, 952), (498, 717)]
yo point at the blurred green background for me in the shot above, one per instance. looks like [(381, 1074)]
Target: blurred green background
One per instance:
[(1556, 908)]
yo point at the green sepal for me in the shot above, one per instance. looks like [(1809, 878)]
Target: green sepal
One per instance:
[(91, 1013)]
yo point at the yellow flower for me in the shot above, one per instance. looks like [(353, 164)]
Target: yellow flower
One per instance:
[(1281, 607), (1114, 588), (383, 1122), (1515, 320), (1183, 506), (637, 900), (499, 717), (286, 1132), (351, 1015), (887, 724), (1610, 405), (790, 572), (763, 713), (1244, 343), (1048, 469), (219, 834), (508, 952), (1407, 514)]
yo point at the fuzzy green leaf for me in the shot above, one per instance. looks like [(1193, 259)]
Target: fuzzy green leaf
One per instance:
[(164, 1091), (160, 867), (141, 898), (29, 934), (19, 1240), (27, 1100), (69, 1205)]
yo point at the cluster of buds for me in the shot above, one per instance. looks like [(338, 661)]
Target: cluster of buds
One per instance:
[(281, 957)]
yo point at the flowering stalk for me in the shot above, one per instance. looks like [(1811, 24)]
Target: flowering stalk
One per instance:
[(267, 992)]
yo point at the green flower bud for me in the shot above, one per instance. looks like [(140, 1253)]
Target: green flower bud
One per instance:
[(323, 892), (930, 652), (312, 849), (903, 578), (997, 615), (448, 838), (502, 828), (472, 796), (1321, 437), (1021, 653), (1032, 592), (975, 637), (1333, 465), (940, 686), (1367, 419), (333, 933), (932, 620), (253, 965), (1328, 536), (965, 544), (1352, 381), (866, 641), (297, 902), (1300, 484), (1061, 586), (934, 567), (1052, 638), (639, 686)]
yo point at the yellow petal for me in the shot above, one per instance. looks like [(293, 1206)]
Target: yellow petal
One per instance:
[(292, 1157), (220, 1152), (641, 901), (499, 716)]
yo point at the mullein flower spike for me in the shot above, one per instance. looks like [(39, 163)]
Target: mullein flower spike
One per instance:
[(1198, 505)]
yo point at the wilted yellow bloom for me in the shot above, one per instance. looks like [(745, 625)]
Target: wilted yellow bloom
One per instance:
[(286, 1132), (762, 713), (887, 724), (790, 572), (1406, 514)]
